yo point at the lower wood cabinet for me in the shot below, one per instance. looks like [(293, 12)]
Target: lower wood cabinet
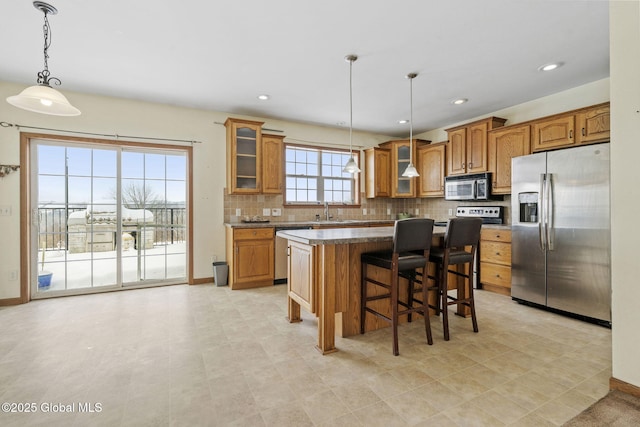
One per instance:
[(495, 260), (250, 254)]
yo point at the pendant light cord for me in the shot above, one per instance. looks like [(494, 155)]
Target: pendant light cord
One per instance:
[(411, 119), (351, 105)]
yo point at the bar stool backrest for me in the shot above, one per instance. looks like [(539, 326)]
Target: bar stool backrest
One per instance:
[(462, 232), (412, 234)]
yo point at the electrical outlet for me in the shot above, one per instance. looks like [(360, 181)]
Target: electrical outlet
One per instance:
[(266, 212), (238, 212), (417, 211), (276, 212), (364, 211), (450, 212), (5, 210), (388, 211), (13, 275)]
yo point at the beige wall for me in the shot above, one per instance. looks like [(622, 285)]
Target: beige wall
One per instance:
[(126, 117), (578, 97), (624, 26)]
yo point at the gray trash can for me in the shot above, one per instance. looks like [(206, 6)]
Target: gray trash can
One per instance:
[(220, 273)]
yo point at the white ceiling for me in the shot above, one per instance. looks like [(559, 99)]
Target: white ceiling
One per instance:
[(220, 55)]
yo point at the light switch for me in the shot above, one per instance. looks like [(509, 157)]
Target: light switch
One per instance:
[(266, 212), (238, 212), (276, 212)]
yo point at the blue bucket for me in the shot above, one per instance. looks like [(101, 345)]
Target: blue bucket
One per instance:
[(44, 279)]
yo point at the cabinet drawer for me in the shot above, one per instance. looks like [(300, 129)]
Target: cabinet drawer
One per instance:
[(494, 274), (495, 234), (252, 233), (497, 252)]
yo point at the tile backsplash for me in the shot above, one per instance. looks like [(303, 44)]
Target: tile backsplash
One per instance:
[(379, 208)]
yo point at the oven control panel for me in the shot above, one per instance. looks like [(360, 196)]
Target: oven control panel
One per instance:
[(493, 213)]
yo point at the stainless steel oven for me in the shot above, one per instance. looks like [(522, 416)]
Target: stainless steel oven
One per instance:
[(468, 187)]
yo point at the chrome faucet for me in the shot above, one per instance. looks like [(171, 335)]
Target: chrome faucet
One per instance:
[(327, 217)]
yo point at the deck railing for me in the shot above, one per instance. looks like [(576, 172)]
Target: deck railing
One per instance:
[(169, 223)]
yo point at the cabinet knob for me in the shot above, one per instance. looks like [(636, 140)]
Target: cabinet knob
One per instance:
[(470, 165), (571, 133), (498, 253), (583, 132), (497, 275)]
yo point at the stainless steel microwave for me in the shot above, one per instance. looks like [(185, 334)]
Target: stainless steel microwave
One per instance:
[(468, 187)]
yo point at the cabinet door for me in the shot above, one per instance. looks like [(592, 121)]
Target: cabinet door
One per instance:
[(300, 275), (593, 125), (401, 186), (431, 164), (457, 152), (477, 147), (378, 172), (505, 144), (272, 146), (254, 261), (554, 133), (244, 154)]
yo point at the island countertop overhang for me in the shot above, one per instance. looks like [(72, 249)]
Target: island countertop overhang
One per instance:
[(340, 236)]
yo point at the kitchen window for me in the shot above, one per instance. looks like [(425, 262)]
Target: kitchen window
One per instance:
[(314, 175)]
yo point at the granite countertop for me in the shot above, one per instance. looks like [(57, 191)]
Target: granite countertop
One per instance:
[(327, 224), (339, 236), (341, 223)]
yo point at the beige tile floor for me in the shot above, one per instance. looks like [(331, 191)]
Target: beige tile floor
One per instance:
[(205, 355)]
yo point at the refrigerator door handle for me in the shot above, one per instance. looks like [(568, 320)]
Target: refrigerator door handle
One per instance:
[(550, 225), (542, 216)]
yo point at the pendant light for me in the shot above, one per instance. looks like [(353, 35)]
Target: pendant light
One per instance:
[(351, 166), (43, 98), (410, 171)]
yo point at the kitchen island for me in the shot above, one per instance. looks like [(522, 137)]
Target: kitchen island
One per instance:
[(324, 277)]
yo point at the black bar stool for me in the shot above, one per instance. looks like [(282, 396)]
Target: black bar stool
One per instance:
[(460, 245), (411, 245)]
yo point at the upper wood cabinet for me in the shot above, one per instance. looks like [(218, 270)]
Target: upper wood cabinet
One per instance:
[(467, 147), (554, 132), (244, 155), (272, 155), (583, 126), (400, 157), (431, 167), (593, 125), (505, 144), (377, 172)]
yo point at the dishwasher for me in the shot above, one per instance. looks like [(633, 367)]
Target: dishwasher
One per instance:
[(281, 254)]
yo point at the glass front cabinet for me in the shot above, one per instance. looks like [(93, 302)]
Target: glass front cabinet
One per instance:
[(244, 154)]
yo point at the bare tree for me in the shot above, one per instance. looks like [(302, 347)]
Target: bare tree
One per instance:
[(137, 196)]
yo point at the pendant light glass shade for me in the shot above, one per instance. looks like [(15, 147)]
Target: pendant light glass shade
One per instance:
[(410, 171), (42, 98), (351, 166)]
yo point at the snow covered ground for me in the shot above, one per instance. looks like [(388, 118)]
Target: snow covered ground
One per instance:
[(75, 271)]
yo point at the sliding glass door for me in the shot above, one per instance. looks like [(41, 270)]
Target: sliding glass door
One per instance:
[(106, 216)]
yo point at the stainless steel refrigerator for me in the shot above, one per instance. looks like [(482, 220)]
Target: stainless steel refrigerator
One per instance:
[(561, 240)]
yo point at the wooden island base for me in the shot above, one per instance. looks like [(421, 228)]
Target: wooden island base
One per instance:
[(324, 279)]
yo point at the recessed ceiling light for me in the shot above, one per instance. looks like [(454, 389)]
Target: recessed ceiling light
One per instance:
[(403, 121), (459, 101), (263, 97), (551, 66)]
